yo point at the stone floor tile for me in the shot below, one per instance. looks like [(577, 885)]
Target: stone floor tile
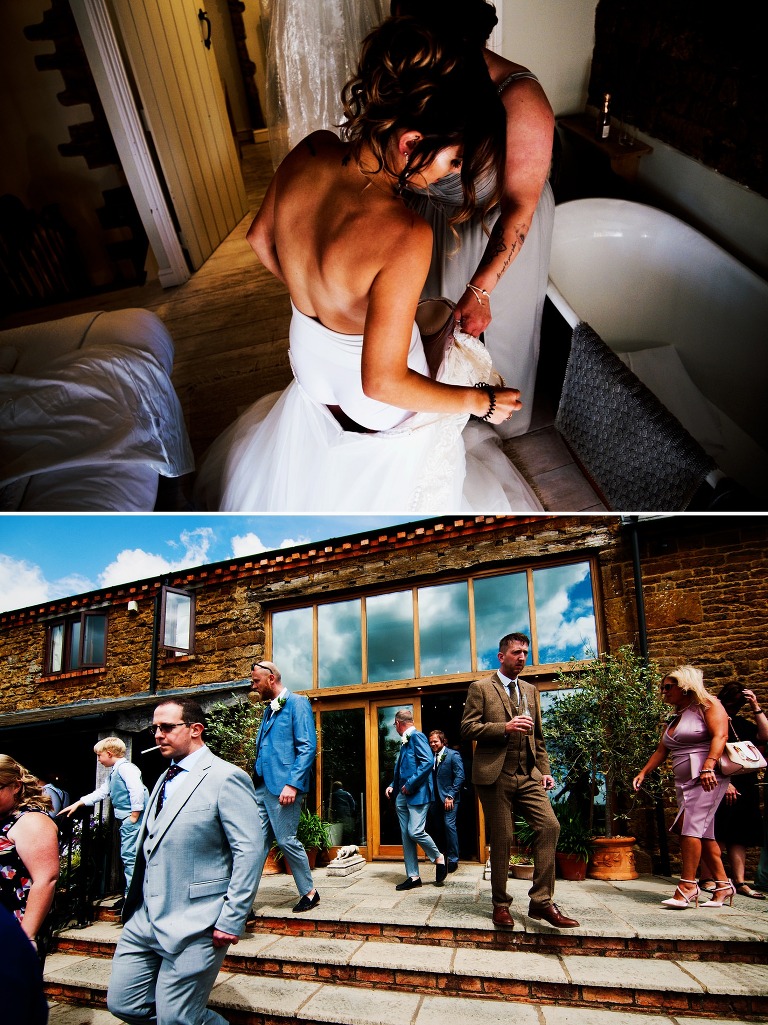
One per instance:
[(97, 932), (261, 994), (738, 979), (69, 1014), (630, 973), (74, 970), (310, 949), (351, 1005), (253, 944), (590, 1016), (469, 1011), (501, 964), (407, 956)]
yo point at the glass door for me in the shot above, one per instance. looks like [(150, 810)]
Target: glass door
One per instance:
[(387, 842), (344, 785)]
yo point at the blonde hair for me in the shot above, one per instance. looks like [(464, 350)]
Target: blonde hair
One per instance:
[(30, 793), (690, 680), (114, 745)]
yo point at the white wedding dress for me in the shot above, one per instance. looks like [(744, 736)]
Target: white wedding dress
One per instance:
[(289, 453)]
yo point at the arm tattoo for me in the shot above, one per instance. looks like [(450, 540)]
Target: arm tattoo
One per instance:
[(497, 244)]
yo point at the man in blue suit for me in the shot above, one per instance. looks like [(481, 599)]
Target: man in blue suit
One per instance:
[(448, 779), (194, 880), (412, 782), (285, 754)]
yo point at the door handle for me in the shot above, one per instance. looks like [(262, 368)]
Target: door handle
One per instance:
[(204, 19)]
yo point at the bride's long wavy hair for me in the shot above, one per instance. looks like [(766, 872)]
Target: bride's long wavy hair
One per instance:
[(409, 79)]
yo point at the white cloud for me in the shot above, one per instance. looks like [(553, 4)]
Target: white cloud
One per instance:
[(247, 544), (135, 563), (23, 583), (251, 544)]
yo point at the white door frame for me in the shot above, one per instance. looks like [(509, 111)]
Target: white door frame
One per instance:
[(106, 62)]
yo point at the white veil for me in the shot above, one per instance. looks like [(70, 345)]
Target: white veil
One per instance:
[(312, 50)]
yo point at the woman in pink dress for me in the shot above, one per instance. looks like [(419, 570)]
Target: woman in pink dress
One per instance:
[(695, 738)]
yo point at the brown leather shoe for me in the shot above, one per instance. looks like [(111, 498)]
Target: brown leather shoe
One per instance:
[(501, 916), (551, 913)]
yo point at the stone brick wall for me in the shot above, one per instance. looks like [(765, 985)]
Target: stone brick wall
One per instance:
[(690, 74), (705, 587)]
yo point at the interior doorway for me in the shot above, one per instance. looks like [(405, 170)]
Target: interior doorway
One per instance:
[(443, 712)]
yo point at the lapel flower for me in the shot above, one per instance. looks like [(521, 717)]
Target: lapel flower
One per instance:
[(441, 756), (276, 704)]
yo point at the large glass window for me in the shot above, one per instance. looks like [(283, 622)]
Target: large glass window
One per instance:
[(292, 647), (77, 643), (501, 607), (441, 629), (565, 614), (389, 619), (339, 644), (444, 629)]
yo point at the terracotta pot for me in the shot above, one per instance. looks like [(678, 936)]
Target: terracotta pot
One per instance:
[(613, 858), (571, 866), (311, 858), (521, 871), (271, 866)]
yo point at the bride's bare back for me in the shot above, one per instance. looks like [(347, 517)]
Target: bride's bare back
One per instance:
[(339, 236)]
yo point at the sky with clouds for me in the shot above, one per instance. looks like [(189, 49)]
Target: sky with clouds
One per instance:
[(47, 557)]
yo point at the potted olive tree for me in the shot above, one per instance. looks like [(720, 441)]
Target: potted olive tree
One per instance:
[(597, 734)]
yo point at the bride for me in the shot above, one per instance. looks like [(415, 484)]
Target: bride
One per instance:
[(373, 421)]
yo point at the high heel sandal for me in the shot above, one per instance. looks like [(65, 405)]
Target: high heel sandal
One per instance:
[(674, 902), (746, 891), (723, 885)]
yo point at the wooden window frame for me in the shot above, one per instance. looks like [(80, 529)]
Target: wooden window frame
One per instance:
[(67, 624)]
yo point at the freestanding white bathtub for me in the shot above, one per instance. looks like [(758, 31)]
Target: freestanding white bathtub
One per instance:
[(644, 280)]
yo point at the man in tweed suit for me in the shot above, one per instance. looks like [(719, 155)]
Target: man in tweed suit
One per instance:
[(511, 773)]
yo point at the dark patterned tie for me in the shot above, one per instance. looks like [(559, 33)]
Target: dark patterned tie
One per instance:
[(172, 773)]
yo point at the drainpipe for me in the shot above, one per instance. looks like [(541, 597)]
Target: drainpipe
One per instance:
[(642, 630), (642, 637)]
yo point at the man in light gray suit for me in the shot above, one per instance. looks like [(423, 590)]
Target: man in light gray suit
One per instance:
[(194, 881), (286, 746)]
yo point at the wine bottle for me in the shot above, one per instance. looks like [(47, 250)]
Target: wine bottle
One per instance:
[(604, 118)]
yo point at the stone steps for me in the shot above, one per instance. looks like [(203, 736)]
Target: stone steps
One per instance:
[(356, 981)]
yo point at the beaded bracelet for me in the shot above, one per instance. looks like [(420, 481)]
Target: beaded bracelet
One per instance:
[(477, 292), (491, 392)]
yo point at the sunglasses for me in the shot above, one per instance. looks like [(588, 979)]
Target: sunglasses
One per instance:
[(667, 686), (165, 727)]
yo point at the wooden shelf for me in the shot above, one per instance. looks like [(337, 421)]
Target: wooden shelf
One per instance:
[(623, 159)]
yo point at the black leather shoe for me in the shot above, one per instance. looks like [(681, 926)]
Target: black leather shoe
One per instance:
[(551, 913), (408, 884), (307, 903), (452, 866), (441, 871)]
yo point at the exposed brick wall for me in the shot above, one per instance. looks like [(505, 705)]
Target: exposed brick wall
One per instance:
[(690, 74), (706, 591)]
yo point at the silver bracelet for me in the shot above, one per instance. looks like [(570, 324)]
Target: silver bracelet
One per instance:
[(478, 292)]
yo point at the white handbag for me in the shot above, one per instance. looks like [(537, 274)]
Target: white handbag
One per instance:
[(740, 756)]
